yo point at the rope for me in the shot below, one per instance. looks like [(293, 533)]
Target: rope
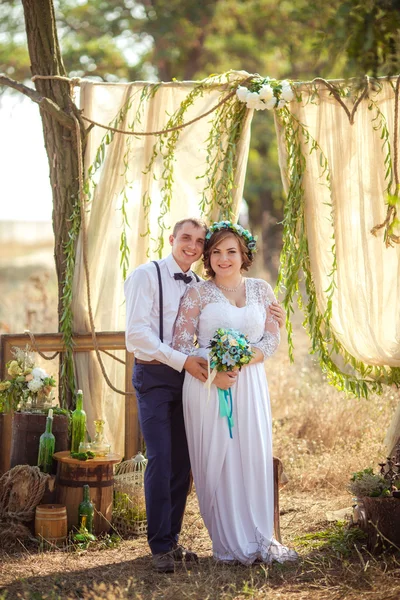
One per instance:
[(36, 349), (74, 81), (170, 129), (112, 356), (337, 97), (21, 490), (10, 533), (145, 133)]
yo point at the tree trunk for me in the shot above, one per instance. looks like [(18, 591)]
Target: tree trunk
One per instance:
[(59, 141), (60, 146)]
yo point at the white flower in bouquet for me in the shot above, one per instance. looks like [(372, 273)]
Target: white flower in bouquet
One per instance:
[(287, 92), (39, 373), (266, 92), (241, 93), (35, 385), (252, 99)]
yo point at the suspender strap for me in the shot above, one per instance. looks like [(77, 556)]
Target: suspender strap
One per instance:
[(160, 292)]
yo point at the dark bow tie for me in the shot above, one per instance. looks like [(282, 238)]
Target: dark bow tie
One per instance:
[(183, 277)]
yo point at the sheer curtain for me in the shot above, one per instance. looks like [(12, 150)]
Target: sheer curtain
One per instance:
[(101, 102), (366, 315)]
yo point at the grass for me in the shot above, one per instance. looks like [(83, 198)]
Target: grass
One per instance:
[(320, 435)]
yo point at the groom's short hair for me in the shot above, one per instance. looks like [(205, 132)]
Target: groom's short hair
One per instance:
[(194, 221)]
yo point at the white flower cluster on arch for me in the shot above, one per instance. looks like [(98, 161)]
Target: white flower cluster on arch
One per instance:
[(266, 93)]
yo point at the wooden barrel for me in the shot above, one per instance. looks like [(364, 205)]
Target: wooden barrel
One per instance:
[(5, 441), (51, 523), (98, 474), (26, 431)]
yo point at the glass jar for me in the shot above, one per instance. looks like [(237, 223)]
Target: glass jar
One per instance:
[(99, 445)]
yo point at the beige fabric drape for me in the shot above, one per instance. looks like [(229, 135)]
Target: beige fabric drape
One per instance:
[(366, 314), (101, 102)]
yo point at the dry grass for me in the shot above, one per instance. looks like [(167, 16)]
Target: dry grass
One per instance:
[(321, 437)]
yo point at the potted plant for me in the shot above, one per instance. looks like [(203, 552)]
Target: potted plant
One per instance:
[(377, 509), (28, 395)]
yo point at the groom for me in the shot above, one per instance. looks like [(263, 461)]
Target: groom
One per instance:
[(158, 379)]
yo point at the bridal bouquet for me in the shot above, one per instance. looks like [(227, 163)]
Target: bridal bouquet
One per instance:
[(229, 350)]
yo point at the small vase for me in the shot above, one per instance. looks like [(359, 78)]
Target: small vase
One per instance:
[(99, 446)]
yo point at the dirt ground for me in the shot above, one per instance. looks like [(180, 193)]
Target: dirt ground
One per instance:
[(321, 573)]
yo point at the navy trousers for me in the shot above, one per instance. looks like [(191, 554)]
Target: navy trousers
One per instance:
[(167, 476)]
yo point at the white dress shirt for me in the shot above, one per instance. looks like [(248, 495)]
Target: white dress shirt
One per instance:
[(142, 332)]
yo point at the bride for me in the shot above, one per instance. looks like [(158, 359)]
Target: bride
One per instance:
[(233, 477)]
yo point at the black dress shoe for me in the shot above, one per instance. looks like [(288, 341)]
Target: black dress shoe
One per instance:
[(163, 563), (180, 553)]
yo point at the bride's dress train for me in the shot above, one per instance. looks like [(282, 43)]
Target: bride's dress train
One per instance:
[(233, 477)]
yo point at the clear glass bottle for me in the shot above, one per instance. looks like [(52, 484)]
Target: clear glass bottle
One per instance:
[(78, 423), (46, 446), (99, 445), (86, 511)]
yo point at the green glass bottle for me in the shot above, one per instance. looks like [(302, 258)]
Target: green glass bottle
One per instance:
[(46, 446), (86, 510), (78, 423)]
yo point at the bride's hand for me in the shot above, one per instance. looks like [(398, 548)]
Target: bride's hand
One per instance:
[(225, 380)]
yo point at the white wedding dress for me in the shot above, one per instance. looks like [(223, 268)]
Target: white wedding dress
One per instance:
[(233, 477)]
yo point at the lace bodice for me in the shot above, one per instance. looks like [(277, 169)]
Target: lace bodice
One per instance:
[(204, 308)]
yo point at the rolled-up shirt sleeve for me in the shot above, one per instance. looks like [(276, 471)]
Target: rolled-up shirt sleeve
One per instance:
[(140, 290)]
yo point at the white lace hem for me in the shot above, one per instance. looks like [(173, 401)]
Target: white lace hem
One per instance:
[(266, 553)]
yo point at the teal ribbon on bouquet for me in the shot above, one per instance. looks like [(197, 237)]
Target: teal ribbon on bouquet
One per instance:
[(226, 407)]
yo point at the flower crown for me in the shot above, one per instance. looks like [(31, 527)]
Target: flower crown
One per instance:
[(250, 240)]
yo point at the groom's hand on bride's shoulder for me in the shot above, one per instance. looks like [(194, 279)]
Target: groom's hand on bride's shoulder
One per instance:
[(197, 367), (278, 313), (224, 380)]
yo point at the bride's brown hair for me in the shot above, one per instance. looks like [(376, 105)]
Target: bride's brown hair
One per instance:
[(216, 238)]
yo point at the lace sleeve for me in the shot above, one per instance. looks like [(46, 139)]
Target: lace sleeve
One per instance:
[(271, 337), (187, 321)]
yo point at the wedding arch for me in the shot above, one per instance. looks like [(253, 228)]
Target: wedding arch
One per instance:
[(338, 153), (158, 152)]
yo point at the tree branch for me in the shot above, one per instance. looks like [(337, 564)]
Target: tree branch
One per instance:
[(45, 103)]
